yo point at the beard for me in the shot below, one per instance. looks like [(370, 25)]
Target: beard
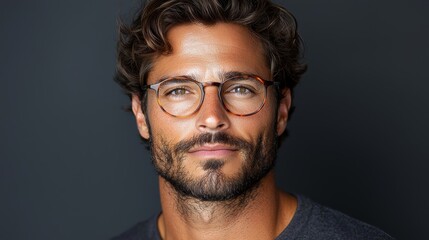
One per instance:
[(214, 185)]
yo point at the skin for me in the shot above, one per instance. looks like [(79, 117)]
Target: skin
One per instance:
[(205, 52)]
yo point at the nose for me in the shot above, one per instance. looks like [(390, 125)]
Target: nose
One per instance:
[(212, 116)]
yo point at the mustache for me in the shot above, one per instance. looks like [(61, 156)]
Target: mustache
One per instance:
[(211, 138)]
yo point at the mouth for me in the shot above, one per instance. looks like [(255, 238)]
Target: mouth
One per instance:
[(213, 151)]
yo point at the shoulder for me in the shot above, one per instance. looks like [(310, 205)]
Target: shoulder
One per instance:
[(143, 230), (314, 221)]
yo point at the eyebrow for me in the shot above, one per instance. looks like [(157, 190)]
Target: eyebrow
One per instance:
[(190, 76), (233, 74), (222, 75)]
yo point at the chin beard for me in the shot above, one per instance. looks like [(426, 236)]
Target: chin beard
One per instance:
[(214, 185)]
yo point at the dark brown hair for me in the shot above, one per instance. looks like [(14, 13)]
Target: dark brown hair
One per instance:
[(145, 38)]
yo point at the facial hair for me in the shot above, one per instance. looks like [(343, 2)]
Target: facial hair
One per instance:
[(214, 185)]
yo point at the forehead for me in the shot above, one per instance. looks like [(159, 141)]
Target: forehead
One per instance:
[(207, 50)]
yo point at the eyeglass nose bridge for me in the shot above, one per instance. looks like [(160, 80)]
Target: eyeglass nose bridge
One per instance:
[(207, 84)]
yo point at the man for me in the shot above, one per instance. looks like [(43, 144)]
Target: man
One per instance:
[(211, 84)]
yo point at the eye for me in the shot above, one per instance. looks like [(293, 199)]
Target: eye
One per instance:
[(177, 92), (240, 90)]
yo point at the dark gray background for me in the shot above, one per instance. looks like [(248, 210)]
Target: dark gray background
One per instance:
[(72, 165)]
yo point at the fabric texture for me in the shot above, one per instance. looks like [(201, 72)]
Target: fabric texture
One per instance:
[(311, 221)]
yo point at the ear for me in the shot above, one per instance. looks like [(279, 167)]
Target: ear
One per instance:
[(140, 117), (283, 110)]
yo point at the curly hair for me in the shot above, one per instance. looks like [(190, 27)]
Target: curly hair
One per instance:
[(145, 38)]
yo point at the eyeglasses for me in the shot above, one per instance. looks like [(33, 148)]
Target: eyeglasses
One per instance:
[(181, 96)]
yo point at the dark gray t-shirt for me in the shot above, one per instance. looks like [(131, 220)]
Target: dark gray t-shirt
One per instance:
[(311, 221)]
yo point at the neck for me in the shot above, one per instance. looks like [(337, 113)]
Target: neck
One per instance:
[(261, 213)]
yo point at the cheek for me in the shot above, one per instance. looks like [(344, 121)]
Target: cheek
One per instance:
[(260, 124), (170, 128)]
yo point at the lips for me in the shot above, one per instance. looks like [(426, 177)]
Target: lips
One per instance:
[(213, 150)]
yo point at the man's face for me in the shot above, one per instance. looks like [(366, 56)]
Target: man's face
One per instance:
[(212, 154)]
